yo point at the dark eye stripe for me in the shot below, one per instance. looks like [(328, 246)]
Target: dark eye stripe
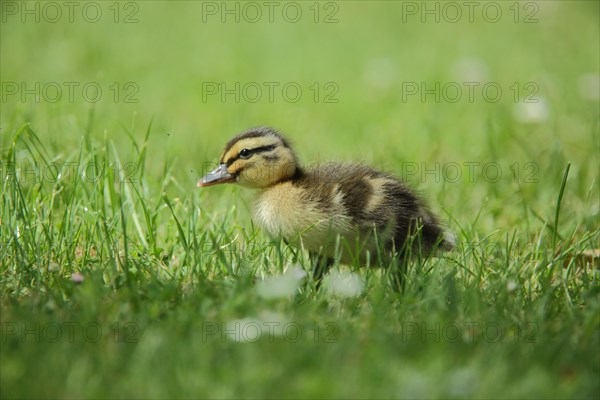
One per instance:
[(255, 150), (263, 149)]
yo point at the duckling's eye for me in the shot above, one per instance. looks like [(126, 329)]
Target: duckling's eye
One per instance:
[(245, 153)]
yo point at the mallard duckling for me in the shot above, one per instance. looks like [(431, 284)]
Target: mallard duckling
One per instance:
[(349, 207)]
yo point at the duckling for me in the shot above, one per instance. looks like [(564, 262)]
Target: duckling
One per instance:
[(321, 209)]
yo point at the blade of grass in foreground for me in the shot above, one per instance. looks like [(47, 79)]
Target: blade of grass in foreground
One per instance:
[(558, 204), (182, 238)]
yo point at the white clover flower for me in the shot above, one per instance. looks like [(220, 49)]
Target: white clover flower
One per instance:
[(511, 286), (589, 86), (380, 73), (470, 69), (534, 111), (344, 283), (281, 285)]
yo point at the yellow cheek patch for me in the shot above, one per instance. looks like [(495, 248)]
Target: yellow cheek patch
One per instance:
[(238, 166)]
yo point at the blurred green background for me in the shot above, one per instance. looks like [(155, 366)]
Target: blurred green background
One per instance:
[(366, 56), (378, 84)]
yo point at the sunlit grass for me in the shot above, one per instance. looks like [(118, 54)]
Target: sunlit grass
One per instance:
[(160, 270)]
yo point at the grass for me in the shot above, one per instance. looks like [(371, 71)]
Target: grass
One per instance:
[(120, 279)]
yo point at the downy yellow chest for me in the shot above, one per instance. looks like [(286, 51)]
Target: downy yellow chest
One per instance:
[(291, 212)]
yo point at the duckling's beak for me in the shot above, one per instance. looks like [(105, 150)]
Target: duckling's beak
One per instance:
[(217, 176)]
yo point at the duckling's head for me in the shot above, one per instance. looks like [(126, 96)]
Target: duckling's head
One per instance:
[(257, 158)]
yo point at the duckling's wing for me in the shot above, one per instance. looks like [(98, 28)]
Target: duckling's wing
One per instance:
[(377, 200)]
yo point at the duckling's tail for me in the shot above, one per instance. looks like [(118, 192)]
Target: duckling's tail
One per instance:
[(448, 240), (434, 237)]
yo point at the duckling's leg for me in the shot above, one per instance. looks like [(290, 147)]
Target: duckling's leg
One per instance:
[(321, 264), (416, 246), (396, 260), (398, 272)]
